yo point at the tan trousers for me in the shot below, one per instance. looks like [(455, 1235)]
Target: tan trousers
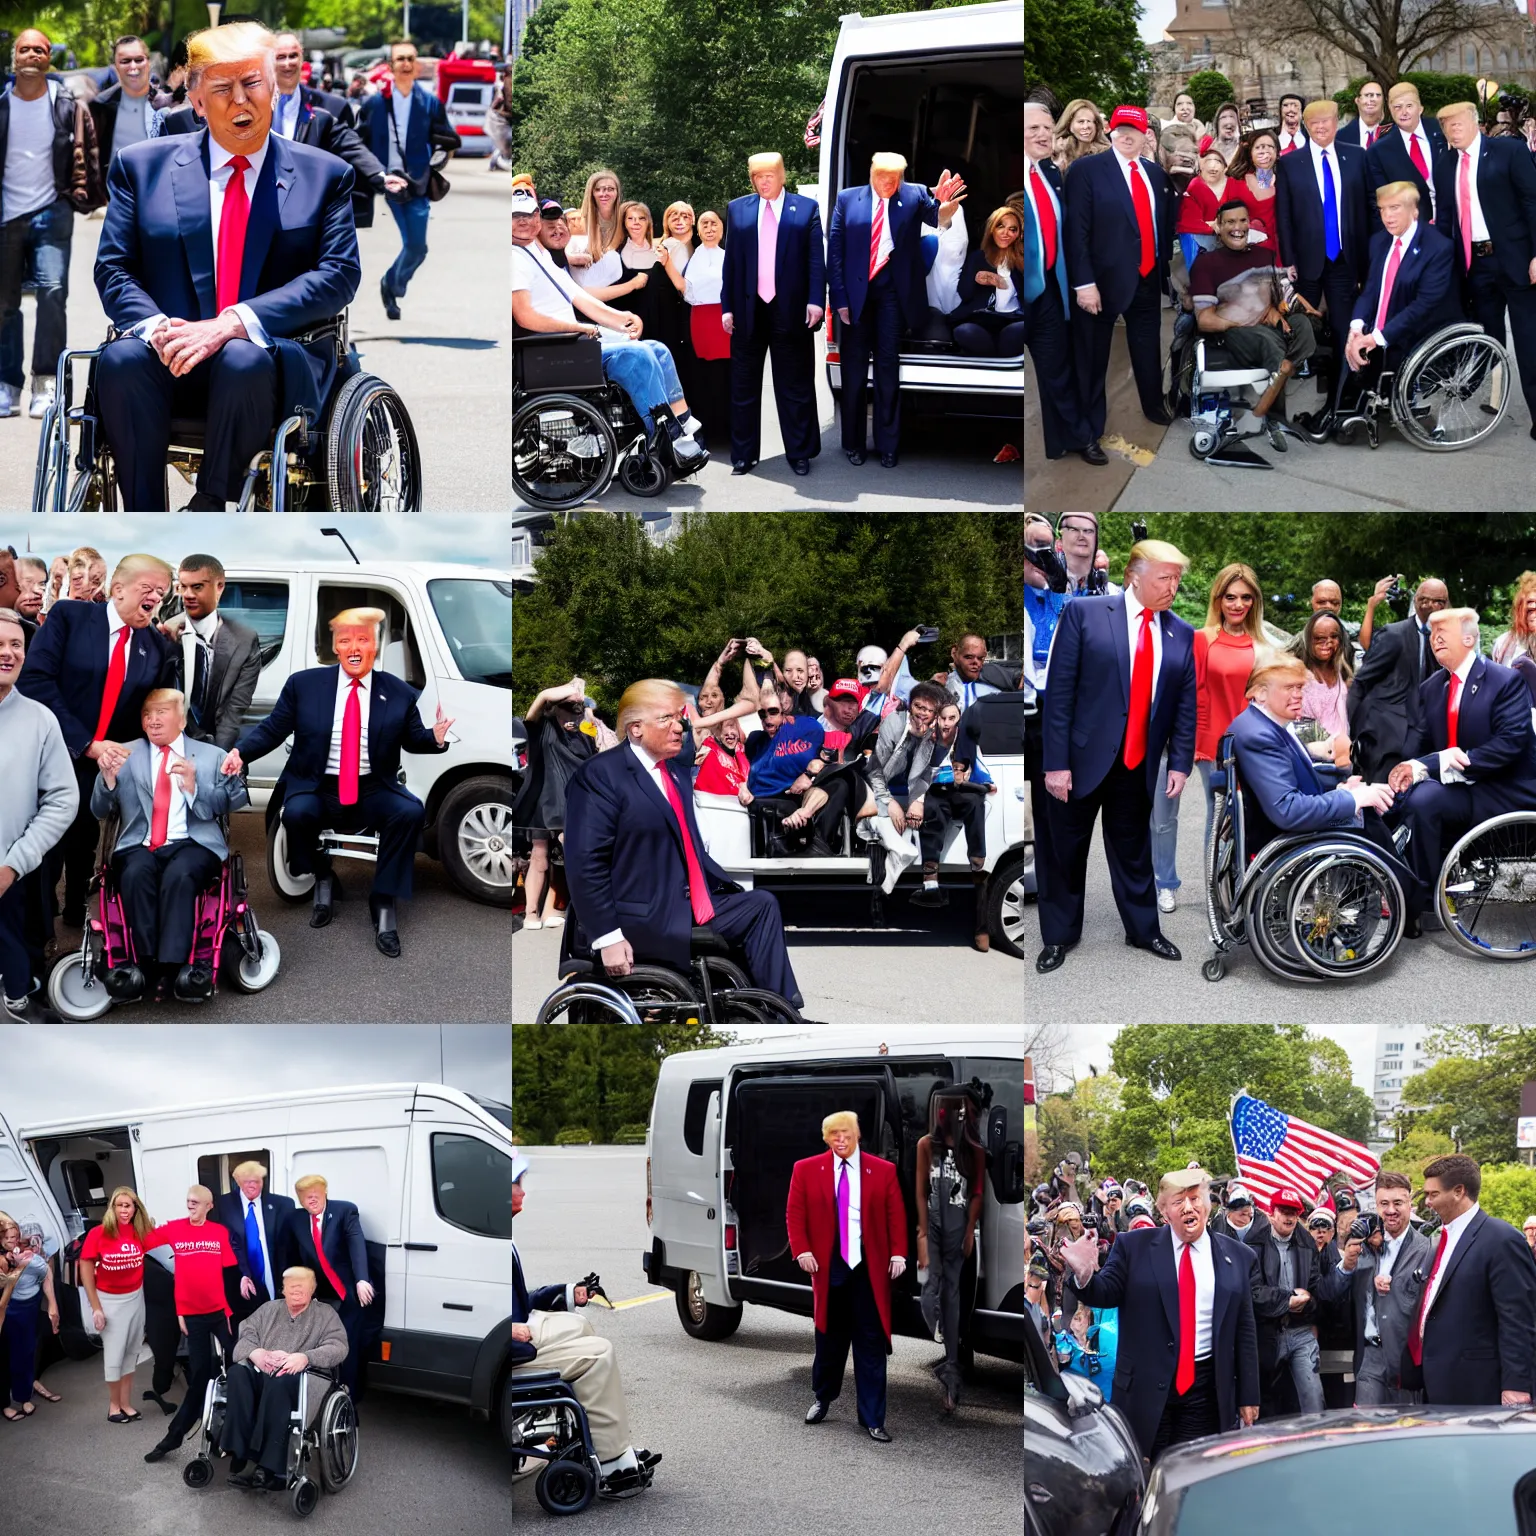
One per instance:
[(566, 1343)]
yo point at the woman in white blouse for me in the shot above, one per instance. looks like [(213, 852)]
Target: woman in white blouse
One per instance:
[(990, 319), (710, 362), (596, 265)]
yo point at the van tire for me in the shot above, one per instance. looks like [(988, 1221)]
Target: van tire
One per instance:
[(1005, 905), (481, 810), (703, 1319)]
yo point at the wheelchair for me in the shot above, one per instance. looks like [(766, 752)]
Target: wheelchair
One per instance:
[(1486, 894), (322, 1439), (572, 429), (549, 1424), (360, 456), (226, 938), (291, 886), (1220, 421)]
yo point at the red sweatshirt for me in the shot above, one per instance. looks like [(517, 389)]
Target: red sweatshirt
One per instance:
[(202, 1255), (1222, 666)]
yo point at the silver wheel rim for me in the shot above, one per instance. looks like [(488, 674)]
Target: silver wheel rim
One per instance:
[(257, 974), (70, 994), (485, 843), (1012, 921), (697, 1306)]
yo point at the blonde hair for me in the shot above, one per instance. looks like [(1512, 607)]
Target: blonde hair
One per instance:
[(887, 160), (1401, 89), (666, 219), (1455, 109), (764, 160), (1269, 665), (602, 238), (642, 696), (1068, 146), (143, 1223), (1013, 257), (1324, 107), (158, 696), (233, 43), (1395, 189), (85, 554), (248, 1170), (1154, 552), (839, 1120), (650, 228), (7, 1220), (349, 617), (133, 565), (1253, 625), (310, 1181), (300, 1269), (1466, 617), (201, 1191)]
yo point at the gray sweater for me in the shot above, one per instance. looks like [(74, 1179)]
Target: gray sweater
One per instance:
[(38, 793), (316, 1332), (897, 752)]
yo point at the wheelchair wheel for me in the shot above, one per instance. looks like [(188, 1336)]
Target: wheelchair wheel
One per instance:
[(371, 460), (1486, 896), (306, 1495), (1346, 912), (563, 452), (755, 1005), (565, 1487), (1266, 916), (1204, 443), (338, 1442), (644, 474), (253, 973), (1438, 398), (198, 1472), (285, 883), (1223, 908), (72, 996)]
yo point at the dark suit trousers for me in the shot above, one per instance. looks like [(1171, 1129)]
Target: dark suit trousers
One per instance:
[(793, 349), (1048, 338), (161, 1332), (202, 1329), (1192, 1415), (1439, 813), (16, 969), (852, 1318), (1339, 285), (877, 333), (1491, 296), (235, 391), (1127, 808), (751, 920), (159, 888), (1092, 337), (256, 1417), (351, 1315), (74, 855), (391, 811)]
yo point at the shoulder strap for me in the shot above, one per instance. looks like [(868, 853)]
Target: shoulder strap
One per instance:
[(548, 275)]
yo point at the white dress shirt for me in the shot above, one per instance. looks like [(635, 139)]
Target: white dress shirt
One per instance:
[(883, 254), (653, 772), (115, 622), (1130, 169), (247, 1206), (1448, 774), (176, 823), (1333, 165), (1360, 133), (400, 106), (1390, 1248), (778, 207), (704, 274), (1479, 223), (855, 1209), (1400, 245), (198, 634), (364, 699), (1289, 140), (1202, 1253), (1454, 1232), (1133, 609)]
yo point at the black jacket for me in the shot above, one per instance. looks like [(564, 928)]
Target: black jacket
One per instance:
[(63, 134), (103, 110), (1383, 703), (1272, 1301), (1258, 1228)]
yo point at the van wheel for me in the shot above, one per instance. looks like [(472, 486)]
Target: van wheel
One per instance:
[(702, 1319), (1005, 905), (474, 839)]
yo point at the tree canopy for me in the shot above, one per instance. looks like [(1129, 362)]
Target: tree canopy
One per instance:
[(1089, 48), (1473, 1089)]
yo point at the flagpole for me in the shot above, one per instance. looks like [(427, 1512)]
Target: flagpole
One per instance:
[(1237, 1172)]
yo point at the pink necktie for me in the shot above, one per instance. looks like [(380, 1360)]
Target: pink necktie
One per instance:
[(876, 229), (1452, 710), (842, 1212), (232, 222), (351, 748), (767, 248), (1388, 278), (698, 887), (1464, 205)]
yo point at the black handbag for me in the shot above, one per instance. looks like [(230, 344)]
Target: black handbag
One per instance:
[(434, 186)]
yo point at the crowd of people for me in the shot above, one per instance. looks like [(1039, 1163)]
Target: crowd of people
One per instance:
[(1399, 721), (212, 293), (113, 706), (1309, 1300), (714, 294), (1312, 246)]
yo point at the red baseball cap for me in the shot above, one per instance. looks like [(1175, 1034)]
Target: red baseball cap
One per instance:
[(1128, 117), (1287, 1196), (848, 686)]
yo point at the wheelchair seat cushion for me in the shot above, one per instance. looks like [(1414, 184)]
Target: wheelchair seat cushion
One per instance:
[(1223, 371), (535, 1378), (705, 941)]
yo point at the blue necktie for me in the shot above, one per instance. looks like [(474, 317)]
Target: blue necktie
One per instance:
[(253, 1247), (1330, 210)]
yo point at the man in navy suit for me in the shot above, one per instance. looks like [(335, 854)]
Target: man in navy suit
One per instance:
[(875, 265), (1473, 1338), (1047, 296), (1473, 755), (1369, 122), (1122, 691), (1407, 151), (93, 665), (1173, 1385), (257, 1226), (1121, 210), (1324, 220), (339, 1260), (349, 726), (218, 250), (773, 297), (640, 877), (1495, 244)]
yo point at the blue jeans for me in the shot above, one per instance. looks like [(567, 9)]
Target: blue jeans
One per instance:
[(644, 370), (1207, 772), (411, 215), (36, 244), (21, 1335), (1165, 832)]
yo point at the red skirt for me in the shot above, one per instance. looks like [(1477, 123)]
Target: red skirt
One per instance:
[(710, 343)]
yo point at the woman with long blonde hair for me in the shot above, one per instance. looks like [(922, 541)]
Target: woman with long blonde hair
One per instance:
[(989, 319), (1079, 131), (112, 1272), (597, 266), (643, 256)]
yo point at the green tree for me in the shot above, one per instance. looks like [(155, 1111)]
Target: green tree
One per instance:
[(1508, 1192), (1077, 1120), (1211, 89), (1088, 48), (1419, 1146), (1473, 1088), (1435, 91)]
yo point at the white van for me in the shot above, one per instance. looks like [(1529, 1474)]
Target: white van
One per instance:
[(727, 1127), (447, 632), (429, 1169), (946, 89)]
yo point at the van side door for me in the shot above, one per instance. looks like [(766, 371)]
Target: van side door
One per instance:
[(685, 1182)]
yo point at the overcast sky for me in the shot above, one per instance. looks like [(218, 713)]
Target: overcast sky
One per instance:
[(1155, 15), (466, 539), (64, 1070)]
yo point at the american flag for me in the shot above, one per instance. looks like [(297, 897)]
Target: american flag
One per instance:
[(813, 126), (1275, 1149)]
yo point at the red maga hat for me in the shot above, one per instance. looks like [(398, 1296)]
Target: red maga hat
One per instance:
[(1128, 117), (1287, 1196), (848, 686)]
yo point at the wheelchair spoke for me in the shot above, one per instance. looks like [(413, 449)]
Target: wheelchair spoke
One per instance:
[(1488, 892)]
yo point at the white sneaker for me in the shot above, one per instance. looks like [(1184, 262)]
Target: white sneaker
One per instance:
[(42, 396), (1167, 901), (9, 404), (555, 920), (531, 925)]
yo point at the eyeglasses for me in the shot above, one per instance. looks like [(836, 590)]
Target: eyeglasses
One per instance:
[(766, 712)]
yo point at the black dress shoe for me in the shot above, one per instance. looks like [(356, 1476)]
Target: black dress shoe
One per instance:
[(800, 466), (888, 461), (819, 848), (325, 901), (201, 502), (1051, 957), (856, 457), (163, 1448), (877, 1432), (391, 308), (165, 1407), (743, 466), (265, 1480), (1413, 929), (1533, 433), (1161, 947), (816, 1412), (1159, 417), (385, 939), (1093, 454)]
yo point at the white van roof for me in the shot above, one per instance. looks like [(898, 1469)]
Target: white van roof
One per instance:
[(820, 1043), (941, 31), (425, 569)]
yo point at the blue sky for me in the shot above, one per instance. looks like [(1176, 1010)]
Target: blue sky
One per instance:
[(1155, 15)]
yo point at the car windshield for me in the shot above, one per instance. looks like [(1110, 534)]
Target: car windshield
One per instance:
[(1472, 1488), (476, 616)]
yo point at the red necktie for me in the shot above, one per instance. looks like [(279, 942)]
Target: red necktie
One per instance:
[(235, 216), (1388, 278), (1452, 710), (117, 669), (1045, 213), (1185, 1377), (351, 747), (1142, 199), (698, 892), (875, 231), (1416, 1333), (325, 1263), (1417, 156), (1289, 147), (160, 820), (1141, 695)]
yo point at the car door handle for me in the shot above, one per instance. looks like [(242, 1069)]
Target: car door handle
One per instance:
[(421, 1247), (456, 1306)]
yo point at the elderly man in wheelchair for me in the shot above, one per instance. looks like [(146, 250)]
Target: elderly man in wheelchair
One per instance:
[(564, 444)]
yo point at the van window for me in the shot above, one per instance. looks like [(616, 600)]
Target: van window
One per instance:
[(694, 1116), (472, 1184), (214, 1169), (397, 648), (1007, 1080), (263, 605), (477, 623)]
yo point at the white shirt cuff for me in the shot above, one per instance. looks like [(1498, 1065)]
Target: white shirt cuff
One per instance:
[(1448, 774), (608, 938), (147, 328), (1357, 327), (1378, 338), (1420, 772), (253, 327)]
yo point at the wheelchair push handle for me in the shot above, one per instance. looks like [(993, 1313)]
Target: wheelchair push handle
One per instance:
[(592, 1285)]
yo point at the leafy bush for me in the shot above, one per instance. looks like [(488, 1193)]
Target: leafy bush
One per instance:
[(1508, 1192), (1435, 90), (574, 1136), (1210, 88), (629, 1136)]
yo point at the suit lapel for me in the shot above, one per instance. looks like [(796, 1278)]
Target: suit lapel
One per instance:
[(379, 705), (1474, 1227), (189, 182), (263, 223), (1163, 1272), (1122, 644)]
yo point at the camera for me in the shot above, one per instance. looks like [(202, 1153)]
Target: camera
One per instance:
[(1365, 1227), (1045, 560)]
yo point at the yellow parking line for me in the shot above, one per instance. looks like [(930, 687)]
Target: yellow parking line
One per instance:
[(1116, 444), (640, 1301)]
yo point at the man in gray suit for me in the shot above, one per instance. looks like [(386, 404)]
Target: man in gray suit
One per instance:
[(220, 657), (1389, 1276), (169, 794)]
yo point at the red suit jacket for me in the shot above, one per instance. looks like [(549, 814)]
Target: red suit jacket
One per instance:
[(812, 1220)]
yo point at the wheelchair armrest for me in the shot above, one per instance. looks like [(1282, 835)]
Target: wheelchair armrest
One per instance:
[(535, 1378), (329, 1372)]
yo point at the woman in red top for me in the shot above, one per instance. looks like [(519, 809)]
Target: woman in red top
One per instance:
[(1253, 171), (1205, 193), (723, 763), (112, 1272)]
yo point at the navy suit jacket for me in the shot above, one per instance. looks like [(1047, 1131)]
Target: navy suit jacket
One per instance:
[(1103, 241), (1480, 1330), (1283, 791), (1493, 725), (1089, 699), (1139, 1277), (229, 1212), (1423, 297), (306, 710), (1035, 275), (1299, 211), (66, 669), (548, 1298), (624, 857), (341, 1236), (1386, 160), (427, 126), (799, 263), (975, 296), (1506, 187), (848, 248)]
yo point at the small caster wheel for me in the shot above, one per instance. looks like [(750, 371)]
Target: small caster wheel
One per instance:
[(1214, 968), (1203, 444), (197, 1473), (565, 1487), (306, 1494)]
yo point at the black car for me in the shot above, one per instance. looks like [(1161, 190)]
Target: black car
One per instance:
[(1417, 1472), (1082, 1467)]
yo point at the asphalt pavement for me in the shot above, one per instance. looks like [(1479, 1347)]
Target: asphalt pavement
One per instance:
[(422, 1466), (727, 1417), (448, 355)]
